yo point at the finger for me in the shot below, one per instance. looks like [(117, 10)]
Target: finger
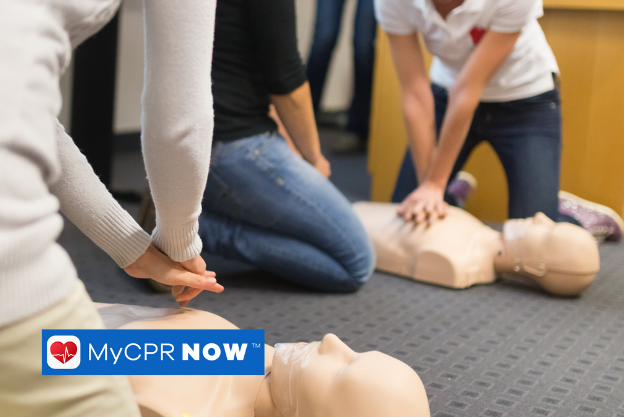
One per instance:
[(429, 208), (189, 294), (209, 274), (410, 210), (217, 288), (177, 290), (418, 212), (181, 295), (421, 217), (189, 279), (444, 209), (433, 217)]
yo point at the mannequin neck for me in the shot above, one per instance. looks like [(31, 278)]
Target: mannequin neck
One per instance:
[(504, 262), (265, 406)]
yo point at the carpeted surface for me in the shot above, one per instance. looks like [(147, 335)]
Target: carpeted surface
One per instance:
[(505, 349)]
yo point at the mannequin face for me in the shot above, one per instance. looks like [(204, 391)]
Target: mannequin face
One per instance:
[(538, 244), (561, 257), (328, 379)]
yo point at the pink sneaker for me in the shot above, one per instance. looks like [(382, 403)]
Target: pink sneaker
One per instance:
[(601, 221), (461, 187)]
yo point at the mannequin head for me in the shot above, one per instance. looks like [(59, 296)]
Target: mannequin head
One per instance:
[(560, 257), (328, 379)]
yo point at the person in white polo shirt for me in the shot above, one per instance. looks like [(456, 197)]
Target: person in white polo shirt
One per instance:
[(493, 78)]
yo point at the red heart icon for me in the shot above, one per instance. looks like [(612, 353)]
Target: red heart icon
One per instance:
[(63, 351), (477, 33)]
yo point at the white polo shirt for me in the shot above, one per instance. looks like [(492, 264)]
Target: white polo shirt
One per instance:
[(526, 72)]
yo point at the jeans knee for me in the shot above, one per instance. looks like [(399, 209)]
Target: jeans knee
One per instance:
[(363, 266)]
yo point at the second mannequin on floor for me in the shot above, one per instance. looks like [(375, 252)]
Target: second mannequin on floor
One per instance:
[(460, 251)]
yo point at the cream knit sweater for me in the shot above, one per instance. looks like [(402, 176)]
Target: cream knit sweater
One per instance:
[(41, 169)]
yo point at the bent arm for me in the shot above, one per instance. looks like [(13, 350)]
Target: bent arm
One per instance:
[(274, 30), (296, 113), (418, 106), (178, 118), (464, 98)]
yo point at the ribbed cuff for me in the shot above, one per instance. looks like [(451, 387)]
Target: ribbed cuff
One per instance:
[(179, 244), (119, 235)]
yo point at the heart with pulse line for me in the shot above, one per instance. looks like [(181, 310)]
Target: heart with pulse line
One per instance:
[(63, 352)]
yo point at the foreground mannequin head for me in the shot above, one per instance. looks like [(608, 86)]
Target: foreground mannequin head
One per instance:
[(460, 251), (323, 379), (328, 379)]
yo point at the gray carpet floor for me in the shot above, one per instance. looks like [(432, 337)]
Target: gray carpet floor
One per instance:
[(505, 349)]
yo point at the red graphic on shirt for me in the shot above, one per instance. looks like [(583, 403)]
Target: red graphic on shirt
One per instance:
[(63, 352), (477, 33)]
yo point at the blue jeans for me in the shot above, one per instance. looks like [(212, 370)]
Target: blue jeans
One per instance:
[(326, 30), (526, 136), (266, 206)]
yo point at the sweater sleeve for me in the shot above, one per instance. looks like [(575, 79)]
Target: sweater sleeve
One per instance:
[(88, 204), (177, 120)]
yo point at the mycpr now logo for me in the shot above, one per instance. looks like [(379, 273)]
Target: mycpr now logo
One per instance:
[(152, 352)]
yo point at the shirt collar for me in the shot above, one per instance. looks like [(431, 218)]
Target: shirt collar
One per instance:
[(426, 6)]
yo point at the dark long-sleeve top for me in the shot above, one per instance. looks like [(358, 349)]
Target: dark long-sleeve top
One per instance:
[(255, 55)]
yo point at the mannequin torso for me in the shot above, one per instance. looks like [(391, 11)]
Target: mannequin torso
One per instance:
[(195, 395), (457, 252)]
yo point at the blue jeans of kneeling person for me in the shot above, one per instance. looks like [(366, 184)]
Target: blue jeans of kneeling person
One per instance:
[(266, 206), (526, 136)]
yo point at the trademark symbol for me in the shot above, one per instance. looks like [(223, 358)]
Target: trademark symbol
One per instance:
[(255, 345)]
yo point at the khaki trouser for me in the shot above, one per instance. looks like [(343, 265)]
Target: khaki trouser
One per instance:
[(24, 392)]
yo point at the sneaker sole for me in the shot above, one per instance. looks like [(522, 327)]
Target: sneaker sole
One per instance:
[(607, 211), (468, 177)]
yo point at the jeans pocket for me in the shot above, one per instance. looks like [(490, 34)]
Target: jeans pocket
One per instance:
[(219, 197)]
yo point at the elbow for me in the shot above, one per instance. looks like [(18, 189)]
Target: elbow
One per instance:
[(417, 102), (464, 98)]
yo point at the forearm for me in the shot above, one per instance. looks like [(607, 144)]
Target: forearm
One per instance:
[(457, 121), (177, 118), (297, 115), (89, 205), (418, 109)]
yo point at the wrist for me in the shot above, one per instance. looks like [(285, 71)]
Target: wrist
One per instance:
[(432, 182), (314, 157)]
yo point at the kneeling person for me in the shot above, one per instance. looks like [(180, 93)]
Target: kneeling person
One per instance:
[(264, 204)]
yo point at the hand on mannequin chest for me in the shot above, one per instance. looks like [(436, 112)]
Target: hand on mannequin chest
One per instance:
[(460, 251)]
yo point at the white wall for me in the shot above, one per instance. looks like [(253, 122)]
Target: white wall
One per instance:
[(338, 88)]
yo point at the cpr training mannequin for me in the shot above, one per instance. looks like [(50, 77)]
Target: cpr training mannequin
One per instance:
[(460, 251), (318, 379)]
